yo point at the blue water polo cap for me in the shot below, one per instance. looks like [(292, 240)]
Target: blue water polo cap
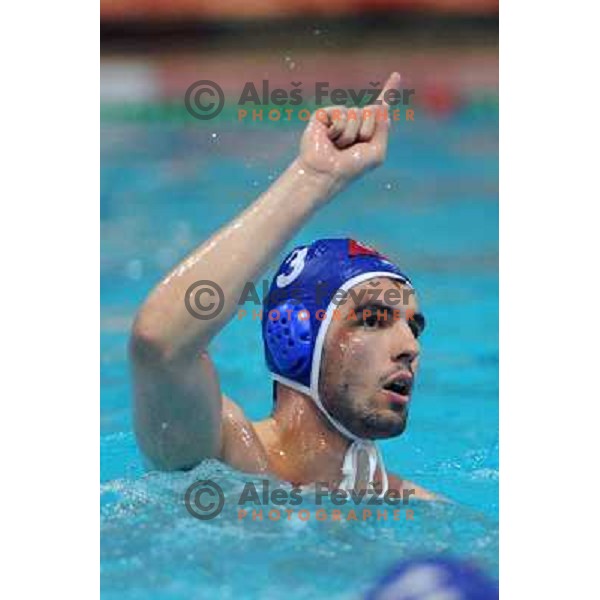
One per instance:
[(298, 308)]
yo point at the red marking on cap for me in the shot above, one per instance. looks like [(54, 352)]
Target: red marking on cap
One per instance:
[(357, 249)]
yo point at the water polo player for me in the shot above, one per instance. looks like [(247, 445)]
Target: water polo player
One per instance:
[(343, 363)]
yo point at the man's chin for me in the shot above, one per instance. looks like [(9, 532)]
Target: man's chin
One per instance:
[(386, 424)]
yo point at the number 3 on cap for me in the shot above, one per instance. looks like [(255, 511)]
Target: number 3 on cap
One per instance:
[(296, 263)]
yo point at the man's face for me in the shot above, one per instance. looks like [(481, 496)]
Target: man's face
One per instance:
[(370, 359)]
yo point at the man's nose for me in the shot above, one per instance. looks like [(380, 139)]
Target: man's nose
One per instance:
[(406, 347)]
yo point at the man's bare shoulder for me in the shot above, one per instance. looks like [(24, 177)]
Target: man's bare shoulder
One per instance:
[(405, 486), (241, 446)]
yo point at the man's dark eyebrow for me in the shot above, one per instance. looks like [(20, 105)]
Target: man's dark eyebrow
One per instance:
[(374, 305)]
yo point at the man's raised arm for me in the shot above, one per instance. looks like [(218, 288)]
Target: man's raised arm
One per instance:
[(177, 397)]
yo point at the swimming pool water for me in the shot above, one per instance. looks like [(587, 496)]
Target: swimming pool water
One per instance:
[(433, 207)]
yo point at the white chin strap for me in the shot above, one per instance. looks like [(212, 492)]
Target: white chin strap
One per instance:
[(350, 467), (352, 463)]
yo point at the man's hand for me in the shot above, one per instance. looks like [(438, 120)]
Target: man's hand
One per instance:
[(345, 142)]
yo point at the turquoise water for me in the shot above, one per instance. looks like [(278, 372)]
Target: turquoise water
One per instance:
[(433, 207)]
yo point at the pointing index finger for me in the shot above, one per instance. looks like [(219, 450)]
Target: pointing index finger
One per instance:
[(392, 83)]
